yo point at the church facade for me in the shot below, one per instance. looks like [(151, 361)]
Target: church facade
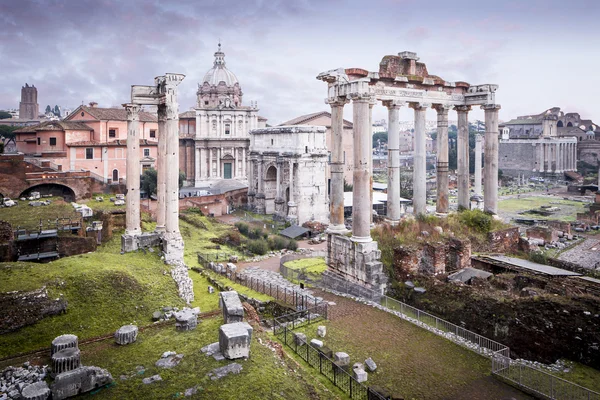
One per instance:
[(214, 136)]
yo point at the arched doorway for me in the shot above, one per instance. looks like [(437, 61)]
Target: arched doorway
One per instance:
[(569, 124), (559, 124), (270, 187), (115, 176), (54, 189)]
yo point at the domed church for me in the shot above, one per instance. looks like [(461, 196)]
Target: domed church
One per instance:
[(214, 139)]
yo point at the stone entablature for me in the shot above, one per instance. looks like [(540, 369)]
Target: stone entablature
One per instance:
[(287, 174)]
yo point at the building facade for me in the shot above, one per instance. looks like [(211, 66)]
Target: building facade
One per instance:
[(214, 139), (287, 175), (92, 139), (29, 107)]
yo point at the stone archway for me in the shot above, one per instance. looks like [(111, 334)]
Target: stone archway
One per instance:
[(559, 124), (270, 188), (55, 189)]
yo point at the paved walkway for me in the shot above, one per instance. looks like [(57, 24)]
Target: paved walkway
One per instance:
[(586, 254)]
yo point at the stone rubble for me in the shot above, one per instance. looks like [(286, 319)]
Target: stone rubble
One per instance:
[(152, 379), (13, 379), (316, 343), (218, 373), (213, 350), (36, 391), (79, 380), (170, 361), (179, 273)]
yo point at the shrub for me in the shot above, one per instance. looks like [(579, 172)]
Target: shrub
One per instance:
[(259, 247), (476, 220), (194, 210), (242, 227), (278, 243), (292, 245)]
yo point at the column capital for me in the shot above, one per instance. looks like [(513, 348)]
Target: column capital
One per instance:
[(393, 103), (360, 97), (133, 111), (337, 101), (419, 106), (173, 79), (462, 108), (442, 108), (491, 107)]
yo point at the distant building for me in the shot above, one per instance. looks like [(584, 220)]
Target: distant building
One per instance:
[(92, 139), (541, 144), (380, 126), (29, 107)]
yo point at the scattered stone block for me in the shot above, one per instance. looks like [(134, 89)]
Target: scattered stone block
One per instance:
[(231, 267), (341, 359), (211, 289), (36, 391), (63, 342), (409, 284), (420, 290), (80, 380), (370, 364), (65, 360), (316, 343), (191, 391), (186, 320), (360, 375), (321, 331), (156, 315), (169, 361), (232, 307), (126, 334), (218, 373), (299, 338), (152, 379), (325, 352), (234, 340), (233, 259)]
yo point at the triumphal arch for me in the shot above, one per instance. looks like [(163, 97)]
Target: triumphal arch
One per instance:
[(402, 81)]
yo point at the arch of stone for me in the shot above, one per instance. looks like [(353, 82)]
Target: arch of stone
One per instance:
[(162, 94), (401, 81)]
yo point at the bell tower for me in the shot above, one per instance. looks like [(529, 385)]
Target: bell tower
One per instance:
[(29, 107)]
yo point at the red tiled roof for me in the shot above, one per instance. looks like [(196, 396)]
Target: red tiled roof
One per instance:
[(55, 126), (113, 114), (112, 143)]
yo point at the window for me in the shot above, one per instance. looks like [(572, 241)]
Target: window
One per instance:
[(89, 153), (152, 133), (146, 152), (227, 129), (52, 141), (82, 113), (112, 133), (39, 141), (205, 103), (115, 174)]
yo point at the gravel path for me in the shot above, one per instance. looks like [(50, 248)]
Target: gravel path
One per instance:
[(585, 254)]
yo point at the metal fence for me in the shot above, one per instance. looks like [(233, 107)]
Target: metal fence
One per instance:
[(316, 358), (300, 275), (536, 381), (521, 375)]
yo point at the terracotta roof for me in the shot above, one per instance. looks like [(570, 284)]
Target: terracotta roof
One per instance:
[(188, 114), (55, 126), (113, 114), (112, 143), (303, 119)]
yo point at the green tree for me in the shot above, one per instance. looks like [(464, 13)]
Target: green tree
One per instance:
[(48, 109), (4, 115), (7, 133), (56, 111), (379, 137), (149, 180)]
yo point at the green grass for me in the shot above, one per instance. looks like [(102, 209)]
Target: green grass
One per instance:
[(105, 205), (567, 212), (25, 216), (236, 286), (309, 265)]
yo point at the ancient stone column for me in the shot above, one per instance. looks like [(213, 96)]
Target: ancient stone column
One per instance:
[(478, 145), (393, 189), (462, 156), (372, 103), (260, 193), (441, 206), (197, 163), (133, 224), (419, 160), (362, 178), (490, 182), (244, 162), (210, 164), (336, 217), (65, 360), (174, 241), (161, 169), (63, 342), (292, 206), (219, 152), (126, 334)]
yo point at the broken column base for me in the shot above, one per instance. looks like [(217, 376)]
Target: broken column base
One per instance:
[(234, 340), (142, 241), (173, 248), (357, 262)]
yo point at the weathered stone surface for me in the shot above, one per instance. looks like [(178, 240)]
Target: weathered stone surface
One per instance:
[(156, 315), (232, 307), (316, 343), (126, 334), (63, 342), (186, 320), (359, 374), (65, 360), (36, 391), (211, 289), (321, 331), (370, 364), (170, 361), (299, 338), (218, 373), (341, 359), (80, 380), (234, 340), (152, 379)]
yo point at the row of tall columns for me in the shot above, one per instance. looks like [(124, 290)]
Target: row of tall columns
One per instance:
[(462, 156), (336, 214), (203, 172), (441, 206), (490, 182), (557, 157), (420, 160), (133, 223)]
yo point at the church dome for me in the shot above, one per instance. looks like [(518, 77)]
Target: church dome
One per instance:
[(219, 73)]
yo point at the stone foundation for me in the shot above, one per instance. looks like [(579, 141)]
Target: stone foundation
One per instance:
[(143, 241), (356, 261)]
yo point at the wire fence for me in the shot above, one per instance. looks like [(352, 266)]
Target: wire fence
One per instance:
[(317, 358)]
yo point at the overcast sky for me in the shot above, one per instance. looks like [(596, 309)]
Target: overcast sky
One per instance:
[(542, 53)]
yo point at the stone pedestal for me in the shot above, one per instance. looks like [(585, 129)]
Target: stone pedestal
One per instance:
[(292, 216), (126, 334), (173, 247), (232, 307), (186, 320), (36, 391), (63, 342), (259, 204), (65, 360), (128, 243), (279, 209), (356, 261), (341, 359), (234, 340)]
